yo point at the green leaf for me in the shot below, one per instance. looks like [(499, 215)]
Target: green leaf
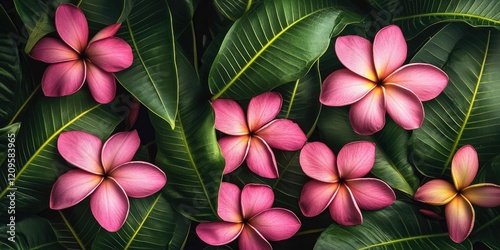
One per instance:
[(6, 134), (151, 224), (190, 154), (399, 226), (391, 162), (30, 233), (467, 111), (38, 163), (102, 13), (234, 9), (152, 78), (275, 43), (417, 15)]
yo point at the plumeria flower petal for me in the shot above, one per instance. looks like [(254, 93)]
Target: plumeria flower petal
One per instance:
[(356, 54), (219, 233), (459, 218), (63, 79), (108, 31), (344, 87), (102, 84), (367, 116), (276, 224), (404, 107), (356, 159), (483, 195), (251, 239), (229, 203), (260, 158), (371, 193), (119, 148), (139, 179), (389, 50), (73, 187), (111, 54), (255, 198), (110, 205), (436, 192), (319, 162), (235, 150), (51, 50), (464, 166), (72, 27), (82, 150), (229, 117), (344, 209), (262, 109), (316, 196), (282, 134)]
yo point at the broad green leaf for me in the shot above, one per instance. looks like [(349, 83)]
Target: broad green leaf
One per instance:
[(103, 13), (417, 15), (38, 162), (152, 78), (399, 226), (190, 154), (275, 43), (385, 7), (7, 142), (234, 9), (467, 111), (151, 224), (391, 162), (30, 233)]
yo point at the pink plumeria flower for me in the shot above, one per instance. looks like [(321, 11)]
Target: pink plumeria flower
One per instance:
[(458, 198), (375, 82), (337, 183), (248, 215), (252, 138), (106, 173), (74, 59)]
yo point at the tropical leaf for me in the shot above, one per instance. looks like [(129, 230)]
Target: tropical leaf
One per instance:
[(100, 14), (38, 163), (7, 142), (152, 78), (151, 224), (466, 112), (417, 15), (275, 44), (391, 162), (30, 233), (234, 9), (399, 226), (190, 153)]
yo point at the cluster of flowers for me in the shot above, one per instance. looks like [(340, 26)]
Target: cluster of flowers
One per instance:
[(374, 82)]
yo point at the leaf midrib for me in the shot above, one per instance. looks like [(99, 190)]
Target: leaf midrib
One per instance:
[(72, 230), (146, 216), (435, 14), (411, 238)]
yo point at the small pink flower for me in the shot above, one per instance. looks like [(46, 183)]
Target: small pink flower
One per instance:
[(74, 59), (337, 183), (106, 174), (249, 216), (375, 82), (458, 198), (252, 138)]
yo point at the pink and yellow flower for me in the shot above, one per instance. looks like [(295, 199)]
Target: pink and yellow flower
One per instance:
[(106, 174), (375, 82), (252, 138), (338, 184), (74, 59), (459, 197), (249, 216)]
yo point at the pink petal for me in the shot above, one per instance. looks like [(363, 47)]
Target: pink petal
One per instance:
[(343, 87), (101, 83), (108, 31), (459, 218), (256, 198), (404, 107), (218, 233), (229, 204), (72, 27), (260, 158), (356, 159), (484, 194), (464, 166), (110, 205), (262, 109), (318, 162), (316, 196), (276, 224), (82, 150), (431, 214), (62, 79), (72, 187), (389, 50), (344, 209), (119, 148), (251, 239), (229, 117), (234, 149), (371, 193), (436, 192), (51, 50), (111, 54), (424, 80), (139, 179), (367, 116), (355, 53), (283, 134)]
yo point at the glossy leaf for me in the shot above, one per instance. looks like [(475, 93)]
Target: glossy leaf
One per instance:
[(190, 154), (100, 14), (234, 9), (416, 15), (38, 163), (278, 43), (466, 112), (8, 135), (151, 224), (399, 226), (391, 162), (30, 233), (152, 78)]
